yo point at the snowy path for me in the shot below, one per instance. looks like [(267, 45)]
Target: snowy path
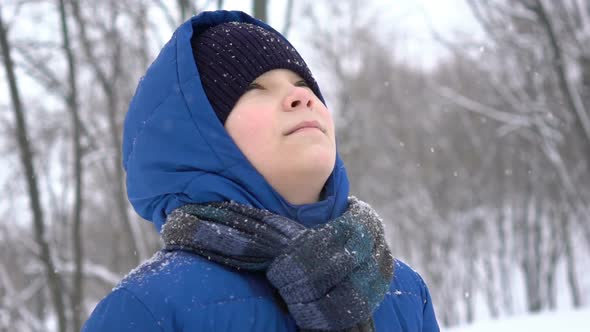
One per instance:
[(571, 321)]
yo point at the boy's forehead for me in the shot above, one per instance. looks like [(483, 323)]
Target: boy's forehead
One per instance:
[(277, 74)]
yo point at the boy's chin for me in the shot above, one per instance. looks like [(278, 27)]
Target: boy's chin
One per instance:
[(318, 165), (317, 153)]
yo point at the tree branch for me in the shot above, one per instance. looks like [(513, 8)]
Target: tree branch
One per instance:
[(571, 96)]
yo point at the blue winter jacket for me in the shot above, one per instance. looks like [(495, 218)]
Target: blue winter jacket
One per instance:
[(175, 152)]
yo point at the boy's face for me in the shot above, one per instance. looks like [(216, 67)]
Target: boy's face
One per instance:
[(283, 128)]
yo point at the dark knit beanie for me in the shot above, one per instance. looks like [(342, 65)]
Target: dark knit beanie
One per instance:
[(230, 56)]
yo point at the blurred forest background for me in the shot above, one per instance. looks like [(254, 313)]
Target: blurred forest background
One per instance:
[(478, 163)]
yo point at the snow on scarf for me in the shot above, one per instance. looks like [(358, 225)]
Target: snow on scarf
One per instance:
[(331, 277)]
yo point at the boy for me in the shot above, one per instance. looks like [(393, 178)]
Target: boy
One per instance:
[(230, 151)]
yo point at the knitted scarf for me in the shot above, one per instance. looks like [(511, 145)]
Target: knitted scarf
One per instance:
[(331, 277)]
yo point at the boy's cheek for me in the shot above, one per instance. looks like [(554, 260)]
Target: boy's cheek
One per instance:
[(254, 133), (257, 123)]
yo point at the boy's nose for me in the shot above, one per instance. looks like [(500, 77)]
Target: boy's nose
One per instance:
[(298, 97)]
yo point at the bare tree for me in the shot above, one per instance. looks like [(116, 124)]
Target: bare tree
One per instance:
[(560, 63), (45, 252), (259, 8), (77, 294), (186, 8), (107, 83), (530, 103), (288, 18)]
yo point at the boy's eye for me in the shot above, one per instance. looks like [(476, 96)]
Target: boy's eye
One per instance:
[(301, 83), (254, 86)]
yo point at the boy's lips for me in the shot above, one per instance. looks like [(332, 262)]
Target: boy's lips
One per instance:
[(305, 124)]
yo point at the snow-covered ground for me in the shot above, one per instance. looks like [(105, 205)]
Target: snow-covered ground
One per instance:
[(570, 321)]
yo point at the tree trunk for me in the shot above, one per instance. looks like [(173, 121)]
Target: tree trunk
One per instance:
[(570, 263), (470, 275), (107, 87), (554, 254), (288, 19), (77, 295), (259, 9), (183, 7), (141, 21), (26, 155), (506, 219), (490, 288), (530, 266), (538, 256)]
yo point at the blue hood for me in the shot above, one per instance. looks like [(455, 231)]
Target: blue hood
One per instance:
[(176, 151)]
